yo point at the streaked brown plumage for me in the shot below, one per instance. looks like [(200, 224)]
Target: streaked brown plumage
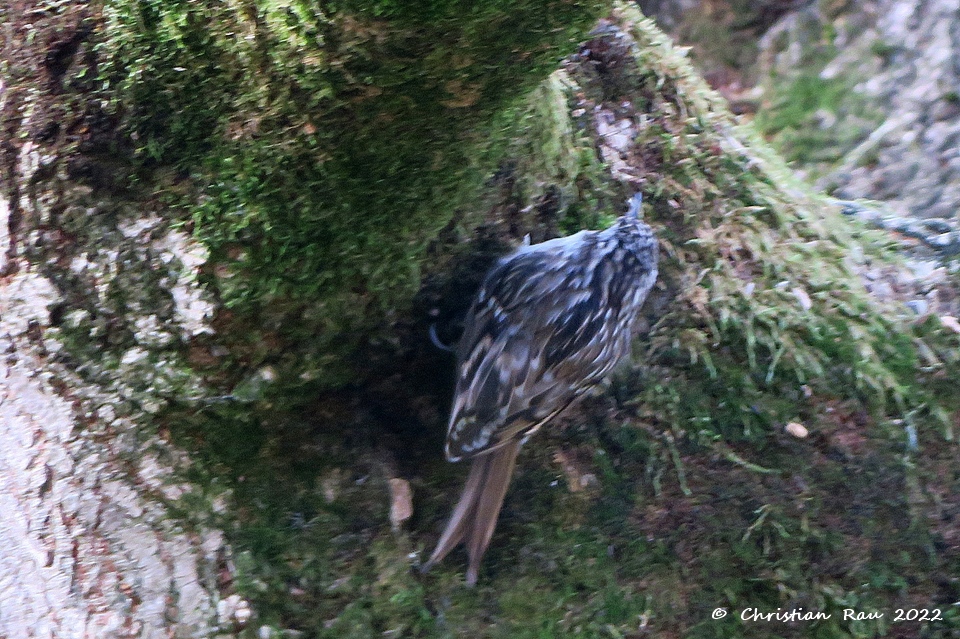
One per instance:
[(549, 323)]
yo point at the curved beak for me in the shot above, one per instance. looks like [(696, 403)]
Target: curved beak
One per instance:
[(633, 213)]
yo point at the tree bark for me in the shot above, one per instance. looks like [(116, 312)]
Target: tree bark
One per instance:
[(89, 545), (174, 466), (103, 321)]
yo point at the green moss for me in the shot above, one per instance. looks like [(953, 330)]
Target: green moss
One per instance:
[(328, 143), (883, 50), (702, 499), (811, 118), (794, 119), (801, 99)]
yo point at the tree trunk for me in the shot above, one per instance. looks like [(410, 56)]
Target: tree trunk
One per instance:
[(226, 229), (104, 324), (89, 545)]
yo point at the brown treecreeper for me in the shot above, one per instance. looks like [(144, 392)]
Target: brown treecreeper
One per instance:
[(550, 321)]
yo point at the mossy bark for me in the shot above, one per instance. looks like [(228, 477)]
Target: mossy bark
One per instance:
[(100, 536), (237, 277)]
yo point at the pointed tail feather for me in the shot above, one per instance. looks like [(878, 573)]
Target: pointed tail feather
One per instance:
[(462, 513), (475, 516), (487, 510)]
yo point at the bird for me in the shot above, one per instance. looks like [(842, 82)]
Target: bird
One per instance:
[(549, 323)]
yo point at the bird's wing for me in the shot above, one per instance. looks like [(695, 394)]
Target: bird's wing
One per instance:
[(534, 341)]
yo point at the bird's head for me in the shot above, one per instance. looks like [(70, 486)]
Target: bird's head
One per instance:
[(634, 234)]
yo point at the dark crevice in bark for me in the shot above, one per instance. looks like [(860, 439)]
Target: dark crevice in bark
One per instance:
[(40, 47), (61, 53), (9, 155)]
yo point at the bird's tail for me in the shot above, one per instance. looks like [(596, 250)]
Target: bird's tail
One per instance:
[(475, 515)]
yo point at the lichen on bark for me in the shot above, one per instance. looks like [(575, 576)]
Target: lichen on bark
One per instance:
[(324, 256), (91, 544)]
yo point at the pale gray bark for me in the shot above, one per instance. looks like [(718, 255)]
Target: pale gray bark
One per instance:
[(901, 56), (88, 545)]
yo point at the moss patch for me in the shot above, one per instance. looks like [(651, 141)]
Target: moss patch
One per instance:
[(814, 117), (328, 144), (326, 232), (814, 121), (702, 499)]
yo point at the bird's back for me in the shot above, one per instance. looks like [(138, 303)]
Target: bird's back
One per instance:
[(550, 321)]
